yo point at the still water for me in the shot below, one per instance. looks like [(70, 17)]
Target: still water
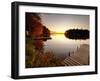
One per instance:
[(62, 46)]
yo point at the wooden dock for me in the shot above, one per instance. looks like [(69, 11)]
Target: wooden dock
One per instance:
[(80, 57)]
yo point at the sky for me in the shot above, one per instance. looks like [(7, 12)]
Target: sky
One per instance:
[(62, 22)]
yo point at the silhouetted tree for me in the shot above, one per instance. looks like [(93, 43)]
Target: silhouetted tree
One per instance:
[(77, 34)]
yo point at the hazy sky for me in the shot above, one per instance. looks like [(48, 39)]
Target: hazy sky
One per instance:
[(63, 22)]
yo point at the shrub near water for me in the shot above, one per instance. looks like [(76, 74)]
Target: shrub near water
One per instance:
[(35, 58)]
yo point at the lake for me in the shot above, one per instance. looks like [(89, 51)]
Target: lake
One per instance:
[(61, 46)]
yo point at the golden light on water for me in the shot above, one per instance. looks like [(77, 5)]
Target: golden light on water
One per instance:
[(58, 24), (58, 35), (61, 37)]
